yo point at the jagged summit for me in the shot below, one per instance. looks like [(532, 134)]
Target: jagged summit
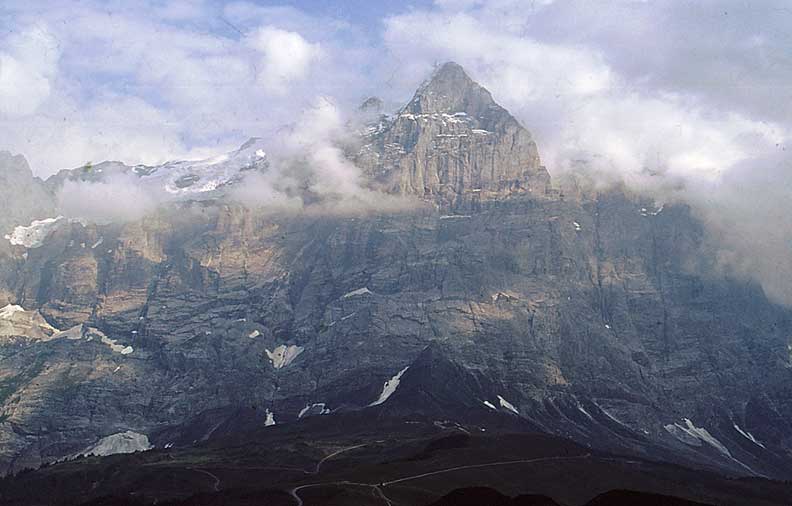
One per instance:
[(450, 90), (24, 196), (453, 145)]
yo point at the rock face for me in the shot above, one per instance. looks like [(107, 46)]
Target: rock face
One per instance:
[(590, 318), (15, 321), (454, 145), (24, 197)]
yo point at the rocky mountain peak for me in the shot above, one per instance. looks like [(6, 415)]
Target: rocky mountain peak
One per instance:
[(15, 165), (453, 145), (451, 90), (24, 196)]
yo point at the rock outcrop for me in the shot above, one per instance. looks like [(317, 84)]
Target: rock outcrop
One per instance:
[(454, 145)]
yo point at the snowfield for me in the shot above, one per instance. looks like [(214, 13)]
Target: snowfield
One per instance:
[(121, 442), (33, 236), (359, 291), (389, 387)]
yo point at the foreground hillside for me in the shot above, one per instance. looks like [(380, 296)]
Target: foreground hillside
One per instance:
[(348, 460)]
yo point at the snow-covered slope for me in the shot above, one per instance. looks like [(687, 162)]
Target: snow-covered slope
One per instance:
[(122, 442), (196, 178), (33, 236), (181, 179)]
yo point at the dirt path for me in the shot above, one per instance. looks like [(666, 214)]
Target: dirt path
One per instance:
[(377, 487), (216, 485)]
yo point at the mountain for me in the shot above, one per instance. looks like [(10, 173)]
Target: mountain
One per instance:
[(219, 334), (176, 180), (453, 145)]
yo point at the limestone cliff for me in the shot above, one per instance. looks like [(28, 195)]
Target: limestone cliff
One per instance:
[(454, 145)]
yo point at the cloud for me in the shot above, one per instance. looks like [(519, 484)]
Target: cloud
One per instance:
[(147, 81), (315, 139), (266, 192), (573, 99), (286, 57), (749, 223), (118, 199), (308, 166), (727, 53), (28, 63), (309, 172)]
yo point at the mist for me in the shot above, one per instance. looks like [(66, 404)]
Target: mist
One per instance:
[(748, 218), (118, 199)]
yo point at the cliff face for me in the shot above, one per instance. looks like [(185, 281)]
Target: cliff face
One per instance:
[(453, 145), (594, 318)]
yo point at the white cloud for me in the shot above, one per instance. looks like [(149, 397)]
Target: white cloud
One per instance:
[(118, 199), (525, 69), (286, 57), (311, 148), (28, 62), (152, 80), (112, 127), (573, 100)]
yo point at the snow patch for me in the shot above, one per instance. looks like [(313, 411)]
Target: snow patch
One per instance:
[(122, 442), (284, 355), (33, 235), (270, 420), (389, 387), (748, 436), (692, 435), (78, 331), (508, 405), (9, 311), (188, 178), (583, 410), (359, 291), (118, 348), (609, 415), (318, 407), (646, 212)]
